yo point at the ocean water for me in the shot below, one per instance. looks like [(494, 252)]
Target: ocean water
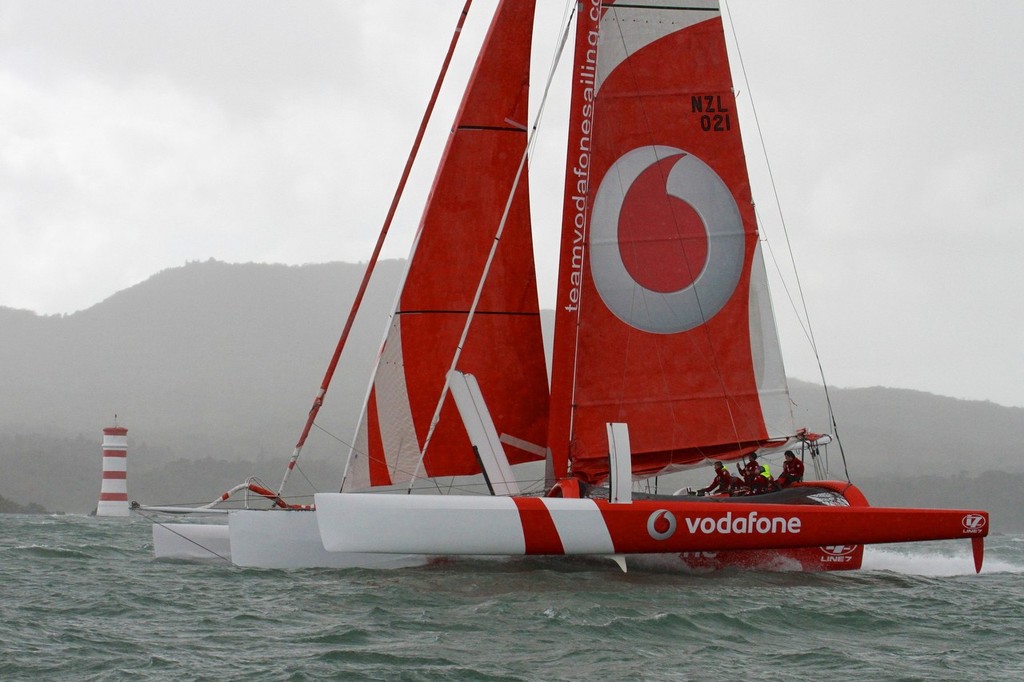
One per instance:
[(83, 599)]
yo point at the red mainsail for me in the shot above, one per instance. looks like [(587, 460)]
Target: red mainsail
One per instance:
[(660, 322)]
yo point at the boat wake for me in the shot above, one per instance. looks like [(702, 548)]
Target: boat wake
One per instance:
[(931, 560)]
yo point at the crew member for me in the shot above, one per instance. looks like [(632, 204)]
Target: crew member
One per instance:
[(792, 470), (757, 476), (722, 482), (743, 482)]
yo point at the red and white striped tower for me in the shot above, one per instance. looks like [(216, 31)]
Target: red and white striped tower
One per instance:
[(114, 490)]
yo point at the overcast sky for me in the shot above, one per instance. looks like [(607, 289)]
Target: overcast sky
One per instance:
[(136, 135)]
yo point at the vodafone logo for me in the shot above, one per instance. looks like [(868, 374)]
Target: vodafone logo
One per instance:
[(661, 524), (973, 523), (687, 244)]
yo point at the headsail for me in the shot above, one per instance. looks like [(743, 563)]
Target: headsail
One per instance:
[(660, 322), (503, 350)]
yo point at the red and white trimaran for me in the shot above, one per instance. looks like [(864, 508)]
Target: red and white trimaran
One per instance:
[(665, 352)]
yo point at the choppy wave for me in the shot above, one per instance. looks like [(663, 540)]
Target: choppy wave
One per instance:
[(84, 600)]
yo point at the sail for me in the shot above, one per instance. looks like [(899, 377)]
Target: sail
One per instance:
[(662, 319), (480, 171)]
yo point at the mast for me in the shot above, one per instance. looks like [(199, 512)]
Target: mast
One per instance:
[(575, 219)]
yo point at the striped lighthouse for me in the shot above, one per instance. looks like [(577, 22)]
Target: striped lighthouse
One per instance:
[(114, 490)]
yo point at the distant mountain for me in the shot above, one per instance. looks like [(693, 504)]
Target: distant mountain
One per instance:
[(213, 366), (901, 432), (209, 359)]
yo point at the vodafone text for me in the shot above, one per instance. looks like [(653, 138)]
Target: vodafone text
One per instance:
[(750, 523)]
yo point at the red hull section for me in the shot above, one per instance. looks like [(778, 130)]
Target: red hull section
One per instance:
[(655, 526), (826, 531), (808, 559)]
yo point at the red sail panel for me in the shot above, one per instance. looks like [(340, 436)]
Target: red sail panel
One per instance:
[(664, 339), (504, 349)]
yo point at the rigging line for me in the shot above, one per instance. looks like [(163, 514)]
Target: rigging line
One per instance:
[(308, 482), (394, 471), (166, 527), (785, 286), (486, 271), (789, 245), (332, 435), (343, 442), (555, 59), (370, 266)]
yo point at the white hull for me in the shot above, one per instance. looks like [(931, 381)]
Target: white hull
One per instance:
[(471, 525), (291, 539), (266, 539), (191, 541)]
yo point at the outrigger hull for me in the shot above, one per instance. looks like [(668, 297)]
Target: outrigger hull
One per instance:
[(272, 538), (745, 531)]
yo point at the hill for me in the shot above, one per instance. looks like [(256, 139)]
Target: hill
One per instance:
[(210, 359), (899, 432), (212, 367)]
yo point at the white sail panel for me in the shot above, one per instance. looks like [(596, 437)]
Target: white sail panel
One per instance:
[(632, 27), (766, 352), (388, 419)]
